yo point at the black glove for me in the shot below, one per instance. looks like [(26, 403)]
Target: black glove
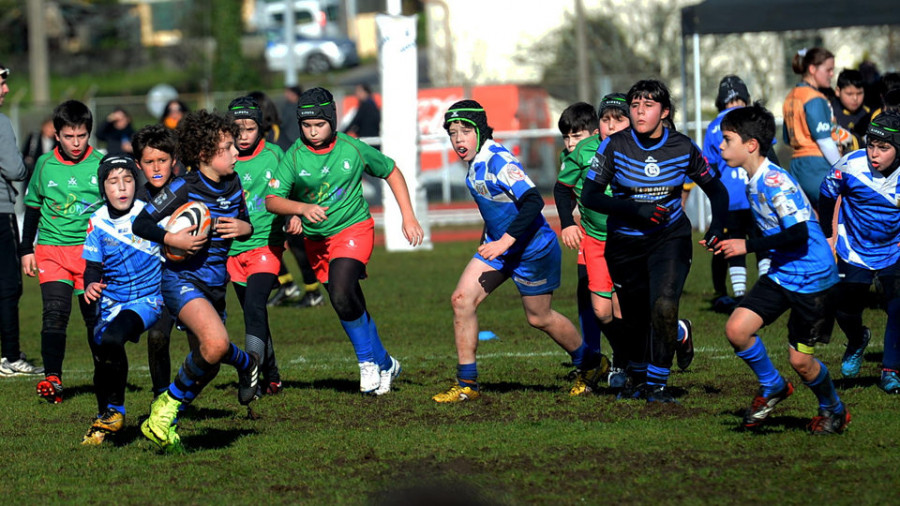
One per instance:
[(654, 213)]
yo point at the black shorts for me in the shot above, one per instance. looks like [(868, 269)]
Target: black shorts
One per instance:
[(811, 313)]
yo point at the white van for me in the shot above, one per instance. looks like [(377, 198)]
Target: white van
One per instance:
[(313, 18)]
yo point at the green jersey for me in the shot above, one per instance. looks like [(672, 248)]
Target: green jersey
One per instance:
[(573, 167), (330, 178), (67, 194), (255, 171)]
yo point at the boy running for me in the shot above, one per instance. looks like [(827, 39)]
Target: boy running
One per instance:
[(800, 277), (194, 289), (123, 274), (61, 196), (154, 149), (518, 243), (867, 238), (320, 180), (253, 264)]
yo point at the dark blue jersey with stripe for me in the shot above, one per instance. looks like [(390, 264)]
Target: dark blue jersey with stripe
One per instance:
[(648, 175), (225, 199)]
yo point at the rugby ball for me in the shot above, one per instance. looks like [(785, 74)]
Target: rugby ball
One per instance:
[(186, 216)]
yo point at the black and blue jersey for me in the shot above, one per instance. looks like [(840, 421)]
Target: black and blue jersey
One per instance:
[(648, 175), (225, 199)]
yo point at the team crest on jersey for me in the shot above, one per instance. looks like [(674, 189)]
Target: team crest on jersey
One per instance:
[(481, 188), (346, 165), (73, 181), (516, 174), (596, 161), (774, 179), (248, 178), (325, 170), (651, 168), (837, 174), (274, 184)]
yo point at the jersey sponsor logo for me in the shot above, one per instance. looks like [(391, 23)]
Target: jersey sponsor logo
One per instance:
[(651, 169), (185, 289), (774, 179), (51, 184), (274, 184), (562, 166), (516, 174), (351, 243), (91, 249), (224, 203), (163, 198), (73, 181), (303, 173), (783, 205), (823, 127), (596, 161)]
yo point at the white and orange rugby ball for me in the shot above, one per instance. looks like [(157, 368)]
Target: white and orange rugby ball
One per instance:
[(186, 216)]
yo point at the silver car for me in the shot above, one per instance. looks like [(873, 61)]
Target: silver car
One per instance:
[(313, 55)]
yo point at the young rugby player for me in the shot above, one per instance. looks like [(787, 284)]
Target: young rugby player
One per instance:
[(194, 289), (648, 249), (595, 288), (253, 264), (122, 275), (154, 151), (320, 180), (868, 236), (518, 243), (61, 196), (800, 277)]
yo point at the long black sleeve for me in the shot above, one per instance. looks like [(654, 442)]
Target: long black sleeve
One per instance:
[(145, 227), (565, 204), (593, 196), (826, 214), (530, 205), (93, 273), (29, 230), (793, 237), (718, 199)]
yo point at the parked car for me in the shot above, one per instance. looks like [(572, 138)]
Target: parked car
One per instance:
[(313, 55), (312, 18)]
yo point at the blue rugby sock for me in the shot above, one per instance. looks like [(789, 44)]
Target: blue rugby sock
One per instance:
[(578, 355), (382, 358), (756, 357), (823, 387), (467, 375), (637, 371), (119, 408), (358, 332), (657, 375), (891, 358), (236, 357)]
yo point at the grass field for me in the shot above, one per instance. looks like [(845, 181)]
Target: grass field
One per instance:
[(524, 442)]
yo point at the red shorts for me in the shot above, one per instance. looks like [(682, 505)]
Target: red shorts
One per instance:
[(355, 241), (599, 280), (261, 260), (60, 263)]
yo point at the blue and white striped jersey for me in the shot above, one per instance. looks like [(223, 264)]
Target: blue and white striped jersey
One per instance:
[(648, 175), (496, 181), (131, 265), (778, 204), (869, 217)]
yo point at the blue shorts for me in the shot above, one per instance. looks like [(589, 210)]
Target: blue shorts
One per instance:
[(178, 290), (148, 308), (532, 277)]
